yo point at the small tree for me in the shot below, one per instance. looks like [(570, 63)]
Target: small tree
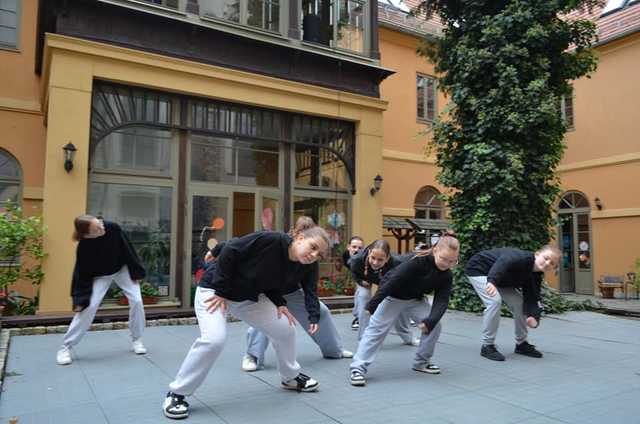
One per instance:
[(505, 65), (21, 251)]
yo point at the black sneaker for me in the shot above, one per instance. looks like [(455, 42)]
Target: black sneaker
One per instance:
[(490, 352), (527, 349), (302, 383), (175, 407), (355, 324)]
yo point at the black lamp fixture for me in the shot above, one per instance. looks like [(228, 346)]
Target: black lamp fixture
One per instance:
[(599, 204), (377, 183), (69, 152)]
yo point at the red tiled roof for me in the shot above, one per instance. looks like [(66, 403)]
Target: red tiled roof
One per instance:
[(613, 24), (398, 19), (609, 27)]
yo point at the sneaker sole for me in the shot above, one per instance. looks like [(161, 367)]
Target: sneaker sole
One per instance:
[(530, 356), (64, 363), (175, 416), (358, 383), (427, 371), (306, 389), (492, 359)]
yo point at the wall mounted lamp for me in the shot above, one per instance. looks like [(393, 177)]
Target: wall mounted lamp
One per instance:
[(377, 184), (69, 152), (599, 204)]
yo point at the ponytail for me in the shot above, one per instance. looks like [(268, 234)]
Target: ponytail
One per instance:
[(447, 238)]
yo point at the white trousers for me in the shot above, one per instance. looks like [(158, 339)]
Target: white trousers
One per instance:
[(213, 331), (82, 320)]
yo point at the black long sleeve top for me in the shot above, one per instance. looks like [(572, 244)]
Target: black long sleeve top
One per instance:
[(250, 265), (100, 256), (509, 267), (306, 277), (359, 263), (414, 279)]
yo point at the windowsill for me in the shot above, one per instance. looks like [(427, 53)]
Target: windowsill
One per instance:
[(323, 189), (157, 7), (425, 121), (10, 49), (355, 55), (241, 27)]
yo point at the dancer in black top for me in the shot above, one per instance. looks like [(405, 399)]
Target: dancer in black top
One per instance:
[(513, 276), (104, 254)]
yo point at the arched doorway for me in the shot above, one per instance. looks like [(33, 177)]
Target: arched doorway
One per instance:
[(574, 230)]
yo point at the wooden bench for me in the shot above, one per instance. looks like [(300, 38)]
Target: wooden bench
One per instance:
[(608, 285)]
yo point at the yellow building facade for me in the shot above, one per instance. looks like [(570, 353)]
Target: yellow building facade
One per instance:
[(599, 210), (94, 95)]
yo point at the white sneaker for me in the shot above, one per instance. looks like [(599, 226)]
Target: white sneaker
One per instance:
[(249, 363), (347, 354), (428, 368), (138, 347), (412, 342), (63, 356)]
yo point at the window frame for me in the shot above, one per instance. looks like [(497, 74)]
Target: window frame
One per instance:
[(283, 18), (17, 180), (335, 13), (564, 107), (428, 207), (425, 118), (16, 47)]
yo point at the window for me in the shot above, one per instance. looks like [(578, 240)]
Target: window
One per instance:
[(262, 14), (426, 96), (340, 23), (131, 183), (10, 178), (166, 3), (573, 200), (428, 204), (566, 110), (613, 5), (134, 150), (225, 160), (9, 14)]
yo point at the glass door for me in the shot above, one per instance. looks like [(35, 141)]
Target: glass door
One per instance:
[(567, 267), (270, 215), (210, 222)]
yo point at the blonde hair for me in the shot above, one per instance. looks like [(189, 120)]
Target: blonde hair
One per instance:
[(447, 239), (316, 232), (552, 249), (302, 223)]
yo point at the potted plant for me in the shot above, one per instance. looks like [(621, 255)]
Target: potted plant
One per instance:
[(326, 287), (21, 255), (150, 294)]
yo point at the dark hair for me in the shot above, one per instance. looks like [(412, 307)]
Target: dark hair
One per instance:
[(81, 225), (379, 244), (355, 238), (447, 238)]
